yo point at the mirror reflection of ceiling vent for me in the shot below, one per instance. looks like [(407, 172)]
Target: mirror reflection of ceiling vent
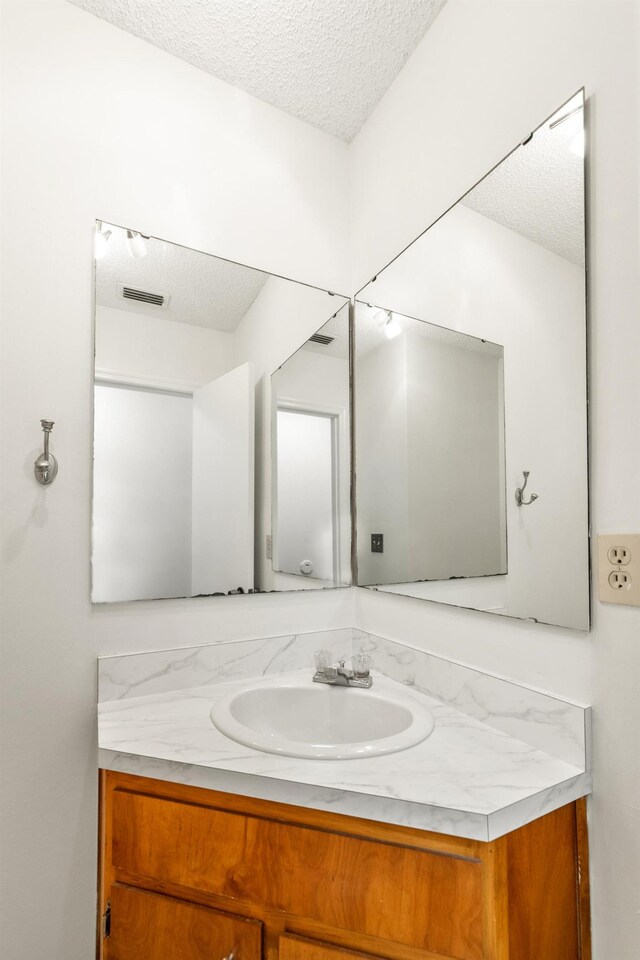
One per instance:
[(142, 296), (321, 338)]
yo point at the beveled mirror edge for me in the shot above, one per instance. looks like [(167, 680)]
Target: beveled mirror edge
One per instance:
[(587, 320)]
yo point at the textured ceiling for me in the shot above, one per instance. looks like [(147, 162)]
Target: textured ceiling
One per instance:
[(327, 63), (205, 291), (538, 190)]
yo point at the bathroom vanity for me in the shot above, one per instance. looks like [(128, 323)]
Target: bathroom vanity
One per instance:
[(470, 844), (189, 874)]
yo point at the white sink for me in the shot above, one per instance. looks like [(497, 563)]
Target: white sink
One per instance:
[(298, 718)]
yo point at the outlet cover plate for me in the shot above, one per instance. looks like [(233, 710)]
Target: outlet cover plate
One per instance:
[(619, 568), (377, 543)]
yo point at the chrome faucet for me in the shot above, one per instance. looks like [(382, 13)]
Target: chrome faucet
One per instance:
[(339, 675)]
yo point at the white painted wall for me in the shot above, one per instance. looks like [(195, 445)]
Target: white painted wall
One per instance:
[(454, 427), (430, 460), (382, 461), (132, 345), (483, 77), (454, 458), (223, 483), (98, 124)]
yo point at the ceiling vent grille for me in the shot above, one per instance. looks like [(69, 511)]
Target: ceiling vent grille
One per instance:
[(321, 338), (142, 296)]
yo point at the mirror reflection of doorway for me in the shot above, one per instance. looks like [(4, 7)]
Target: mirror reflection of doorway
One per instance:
[(306, 535)]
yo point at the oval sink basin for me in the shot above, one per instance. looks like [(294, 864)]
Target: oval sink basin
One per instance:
[(298, 718)]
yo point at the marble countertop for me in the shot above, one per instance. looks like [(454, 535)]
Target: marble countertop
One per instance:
[(468, 779)]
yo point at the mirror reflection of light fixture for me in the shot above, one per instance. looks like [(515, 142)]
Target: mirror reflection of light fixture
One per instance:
[(385, 319), (135, 245), (391, 328), (101, 241)]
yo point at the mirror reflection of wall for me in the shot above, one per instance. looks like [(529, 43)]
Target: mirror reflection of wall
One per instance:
[(505, 265), (185, 345), (430, 423), (311, 470)]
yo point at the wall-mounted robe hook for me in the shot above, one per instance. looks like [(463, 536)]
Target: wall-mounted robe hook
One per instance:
[(520, 492), (46, 466)]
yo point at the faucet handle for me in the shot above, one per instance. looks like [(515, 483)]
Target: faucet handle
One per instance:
[(323, 660), (361, 664)]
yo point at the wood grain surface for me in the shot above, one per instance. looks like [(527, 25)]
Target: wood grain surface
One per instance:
[(147, 926), (387, 891), (326, 886)]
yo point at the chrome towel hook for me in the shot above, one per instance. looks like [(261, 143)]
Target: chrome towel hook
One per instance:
[(46, 466), (520, 492)]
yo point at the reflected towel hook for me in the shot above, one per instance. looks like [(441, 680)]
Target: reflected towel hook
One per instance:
[(520, 492), (46, 466)]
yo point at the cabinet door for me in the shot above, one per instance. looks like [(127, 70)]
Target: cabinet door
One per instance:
[(148, 926), (398, 893)]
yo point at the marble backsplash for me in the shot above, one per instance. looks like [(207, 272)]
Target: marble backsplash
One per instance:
[(559, 728), (162, 671)]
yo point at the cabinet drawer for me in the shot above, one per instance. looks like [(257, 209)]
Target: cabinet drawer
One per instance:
[(395, 893), (149, 926)]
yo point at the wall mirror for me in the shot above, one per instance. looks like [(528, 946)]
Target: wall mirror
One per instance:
[(185, 345), (311, 461), (470, 396)]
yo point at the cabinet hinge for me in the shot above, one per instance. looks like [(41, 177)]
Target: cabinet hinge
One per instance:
[(106, 921)]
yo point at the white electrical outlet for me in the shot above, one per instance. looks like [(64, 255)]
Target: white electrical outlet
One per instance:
[(619, 568), (268, 546)]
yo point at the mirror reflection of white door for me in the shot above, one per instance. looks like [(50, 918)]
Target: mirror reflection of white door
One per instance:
[(306, 535), (223, 484), (141, 537)]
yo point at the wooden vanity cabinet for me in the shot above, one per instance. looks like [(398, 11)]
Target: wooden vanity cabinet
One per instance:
[(188, 873)]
